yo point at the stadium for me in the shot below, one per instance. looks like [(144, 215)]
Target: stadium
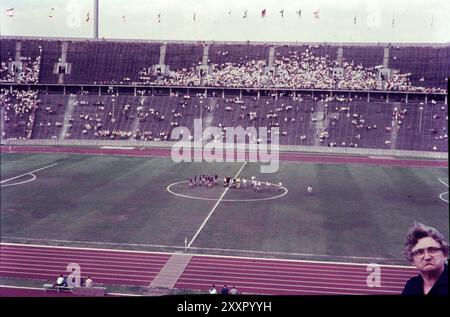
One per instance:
[(358, 133)]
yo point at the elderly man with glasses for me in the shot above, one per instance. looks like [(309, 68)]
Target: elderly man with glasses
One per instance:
[(426, 249)]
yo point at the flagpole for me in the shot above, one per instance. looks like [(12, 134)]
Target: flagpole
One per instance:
[(195, 27), (393, 29), (95, 19)]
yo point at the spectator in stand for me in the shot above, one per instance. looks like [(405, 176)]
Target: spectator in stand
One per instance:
[(225, 290), (298, 70), (234, 291), (89, 282), (427, 249), (59, 281), (65, 281), (213, 289)]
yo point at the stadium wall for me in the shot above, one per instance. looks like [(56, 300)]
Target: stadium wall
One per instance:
[(282, 148), (77, 39)]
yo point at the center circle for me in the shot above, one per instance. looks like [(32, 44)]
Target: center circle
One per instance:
[(176, 187)]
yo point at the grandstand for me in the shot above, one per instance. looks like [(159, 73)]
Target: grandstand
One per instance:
[(74, 77), (383, 104)]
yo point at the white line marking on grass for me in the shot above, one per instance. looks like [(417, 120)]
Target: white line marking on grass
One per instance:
[(230, 200), (442, 198), (39, 169), (443, 182), (214, 208), (444, 193), (19, 183)]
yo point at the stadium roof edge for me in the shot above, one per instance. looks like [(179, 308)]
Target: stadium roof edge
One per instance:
[(79, 39)]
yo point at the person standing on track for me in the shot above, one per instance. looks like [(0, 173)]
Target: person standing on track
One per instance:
[(427, 249)]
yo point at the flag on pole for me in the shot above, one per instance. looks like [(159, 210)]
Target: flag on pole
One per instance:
[(316, 14), (299, 13), (159, 17), (282, 13), (87, 17), (245, 15), (263, 13), (10, 12)]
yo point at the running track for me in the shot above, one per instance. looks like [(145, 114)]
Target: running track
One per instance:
[(250, 275), (284, 156)]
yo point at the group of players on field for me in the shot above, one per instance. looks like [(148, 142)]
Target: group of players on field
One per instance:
[(232, 182), (236, 183)]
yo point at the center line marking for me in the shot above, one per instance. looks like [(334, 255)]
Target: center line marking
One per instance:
[(214, 208)]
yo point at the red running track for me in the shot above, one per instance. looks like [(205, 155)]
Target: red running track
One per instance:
[(284, 156), (107, 267), (251, 276), (278, 277)]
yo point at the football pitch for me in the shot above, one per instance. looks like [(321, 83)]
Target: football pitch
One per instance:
[(357, 213)]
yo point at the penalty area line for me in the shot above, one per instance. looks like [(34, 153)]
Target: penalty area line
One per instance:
[(442, 181), (37, 170), (442, 194), (214, 208)]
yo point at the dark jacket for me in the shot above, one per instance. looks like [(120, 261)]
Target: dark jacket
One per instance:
[(415, 285)]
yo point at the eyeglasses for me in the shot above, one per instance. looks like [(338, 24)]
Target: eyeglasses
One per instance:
[(430, 250)]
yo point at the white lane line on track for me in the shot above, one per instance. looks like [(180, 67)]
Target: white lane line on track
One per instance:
[(28, 173), (214, 208)]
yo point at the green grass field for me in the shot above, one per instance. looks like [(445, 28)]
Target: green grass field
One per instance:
[(122, 202)]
